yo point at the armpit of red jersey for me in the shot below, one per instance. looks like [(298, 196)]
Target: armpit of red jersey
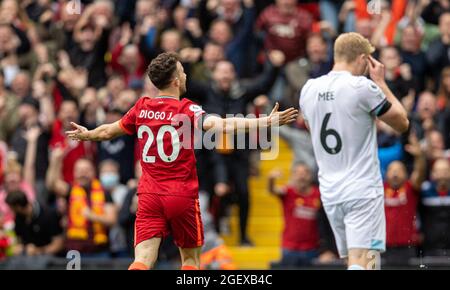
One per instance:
[(128, 122), (194, 111)]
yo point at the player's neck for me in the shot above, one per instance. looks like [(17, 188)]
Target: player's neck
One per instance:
[(169, 93), (343, 66)]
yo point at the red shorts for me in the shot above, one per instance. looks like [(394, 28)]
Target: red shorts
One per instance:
[(160, 215)]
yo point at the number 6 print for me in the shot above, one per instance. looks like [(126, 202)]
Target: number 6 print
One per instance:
[(324, 133)]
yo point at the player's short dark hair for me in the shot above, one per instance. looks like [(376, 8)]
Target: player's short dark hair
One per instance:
[(162, 69), (16, 199)]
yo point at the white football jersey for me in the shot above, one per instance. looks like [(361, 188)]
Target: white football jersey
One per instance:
[(340, 110)]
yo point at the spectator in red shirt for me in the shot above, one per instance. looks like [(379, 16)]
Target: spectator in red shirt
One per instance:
[(301, 204), (285, 27), (73, 150), (126, 57), (401, 200)]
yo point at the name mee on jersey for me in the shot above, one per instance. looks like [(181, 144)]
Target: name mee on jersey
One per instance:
[(326, 96)]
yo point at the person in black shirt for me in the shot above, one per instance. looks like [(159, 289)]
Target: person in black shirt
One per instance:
[(438, 52), (37, 228), (120, 150), (227, 94), (399, 77), (90, 44), (29, 118)]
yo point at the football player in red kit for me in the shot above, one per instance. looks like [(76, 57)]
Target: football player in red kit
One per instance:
[(168, 188)]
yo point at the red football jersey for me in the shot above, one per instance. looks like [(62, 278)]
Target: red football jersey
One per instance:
[(165, 130), (301, 229)]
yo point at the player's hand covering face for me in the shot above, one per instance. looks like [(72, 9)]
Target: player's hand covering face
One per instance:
[(376, 70), (277, 118)]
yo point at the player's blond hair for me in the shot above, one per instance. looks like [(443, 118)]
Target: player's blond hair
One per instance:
[(349, 46)]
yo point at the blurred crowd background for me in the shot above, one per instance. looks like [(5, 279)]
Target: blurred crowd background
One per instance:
[(85, 62)]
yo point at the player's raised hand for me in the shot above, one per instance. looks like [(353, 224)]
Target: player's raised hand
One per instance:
[(79, 134), (376, 70), (281, 118)]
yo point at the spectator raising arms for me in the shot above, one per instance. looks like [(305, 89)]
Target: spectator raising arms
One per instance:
[(301, 204), (89, 67), (90, 209), (401, 205)]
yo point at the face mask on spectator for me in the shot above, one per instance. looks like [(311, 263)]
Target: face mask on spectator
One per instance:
[(10, 72), (109, 180)]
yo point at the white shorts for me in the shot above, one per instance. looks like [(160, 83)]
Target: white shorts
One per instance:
[(358, 224)]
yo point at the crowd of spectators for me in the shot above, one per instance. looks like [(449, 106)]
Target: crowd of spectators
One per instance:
[(85, 61)]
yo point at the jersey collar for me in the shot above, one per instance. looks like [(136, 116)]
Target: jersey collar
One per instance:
[(166, 97), (339, 72)]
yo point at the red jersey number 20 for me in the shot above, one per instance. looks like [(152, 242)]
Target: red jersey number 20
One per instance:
[(175, 139)]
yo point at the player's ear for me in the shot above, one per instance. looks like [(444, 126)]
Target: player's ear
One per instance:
[(363, 57), (177, 82)]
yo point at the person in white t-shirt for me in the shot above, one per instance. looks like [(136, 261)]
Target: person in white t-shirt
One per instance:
[(340, 109)]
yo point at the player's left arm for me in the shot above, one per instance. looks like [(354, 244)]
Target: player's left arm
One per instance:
[(234, 125), (391, 111), (101, 133)]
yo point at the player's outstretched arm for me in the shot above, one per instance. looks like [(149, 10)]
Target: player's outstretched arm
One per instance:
[(101, 133), (396, 117), (233, 125)]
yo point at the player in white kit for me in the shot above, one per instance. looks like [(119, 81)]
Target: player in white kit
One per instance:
[(340, 110)]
